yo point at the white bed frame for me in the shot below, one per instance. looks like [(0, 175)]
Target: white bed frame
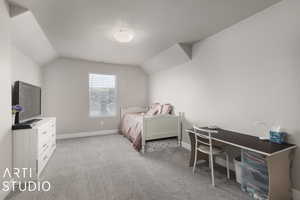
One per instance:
[(158, 126)]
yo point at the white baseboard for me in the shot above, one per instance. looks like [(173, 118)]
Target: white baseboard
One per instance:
[(186, 145), (86, 134), (4, 194), (296, 194)]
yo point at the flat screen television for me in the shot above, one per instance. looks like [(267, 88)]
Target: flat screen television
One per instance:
[(29, 97)]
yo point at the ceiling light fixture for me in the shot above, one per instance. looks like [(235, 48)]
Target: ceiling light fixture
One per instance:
[(124, 35)]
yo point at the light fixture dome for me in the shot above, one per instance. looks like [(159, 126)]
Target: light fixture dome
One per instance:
[(124, 35)]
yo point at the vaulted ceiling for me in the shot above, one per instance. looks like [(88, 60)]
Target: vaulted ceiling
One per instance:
[(84, 28), (28, 37)]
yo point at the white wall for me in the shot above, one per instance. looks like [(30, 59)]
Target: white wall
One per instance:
[(5, 88), (66, 96), (14, 65), (24, 68), (244, 74)]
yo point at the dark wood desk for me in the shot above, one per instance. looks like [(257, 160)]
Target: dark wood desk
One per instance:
[(277, 157)]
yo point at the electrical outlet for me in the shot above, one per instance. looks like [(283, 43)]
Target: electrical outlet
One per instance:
[(101, 123)]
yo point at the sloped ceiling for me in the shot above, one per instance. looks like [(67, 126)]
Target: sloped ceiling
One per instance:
[(176, 55), (84, 29), (29, 38)]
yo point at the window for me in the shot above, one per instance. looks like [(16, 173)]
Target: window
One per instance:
[(102, 93)]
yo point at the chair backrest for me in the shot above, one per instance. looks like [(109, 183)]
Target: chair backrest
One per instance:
[(203, 133)]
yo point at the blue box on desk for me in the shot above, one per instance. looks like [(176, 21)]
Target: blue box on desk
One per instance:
[(277, 137)]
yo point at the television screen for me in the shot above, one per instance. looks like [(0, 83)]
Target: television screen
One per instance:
[(29, 97)]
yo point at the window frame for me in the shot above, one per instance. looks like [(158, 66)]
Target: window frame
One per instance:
[(116, 95)]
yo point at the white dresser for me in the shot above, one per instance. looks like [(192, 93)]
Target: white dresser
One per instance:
[(32, 148)]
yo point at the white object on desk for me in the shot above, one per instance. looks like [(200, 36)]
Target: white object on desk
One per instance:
[(263, 130), (264, 138)]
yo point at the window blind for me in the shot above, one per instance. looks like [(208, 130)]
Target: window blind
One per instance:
[(102, 95)]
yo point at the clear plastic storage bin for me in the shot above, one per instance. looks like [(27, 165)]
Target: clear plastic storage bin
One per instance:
[(255, 179)]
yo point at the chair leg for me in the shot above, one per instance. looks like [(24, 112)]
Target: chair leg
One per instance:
[(195, 161), (211, 160), (227, 166)]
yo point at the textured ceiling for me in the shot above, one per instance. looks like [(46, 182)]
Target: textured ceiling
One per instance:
[(84, 28)]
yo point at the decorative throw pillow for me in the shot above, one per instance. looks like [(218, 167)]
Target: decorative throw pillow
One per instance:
[(154, 109), (166, 109), (154, 105)]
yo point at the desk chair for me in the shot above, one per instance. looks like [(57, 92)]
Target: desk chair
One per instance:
[(205, 146)]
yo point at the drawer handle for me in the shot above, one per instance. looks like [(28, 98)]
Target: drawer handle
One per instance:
[(45, 157), (44, 133), (45, 146)]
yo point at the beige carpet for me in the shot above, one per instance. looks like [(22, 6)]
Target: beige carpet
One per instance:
[(108, 168)]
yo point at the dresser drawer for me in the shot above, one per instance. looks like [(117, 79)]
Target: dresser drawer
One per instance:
[(43, 159), (53, 134), (44, 130), (33, 148), (44, 137), (45, 147)]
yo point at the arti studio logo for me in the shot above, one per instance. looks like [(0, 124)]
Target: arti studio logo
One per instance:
[(23, 174)]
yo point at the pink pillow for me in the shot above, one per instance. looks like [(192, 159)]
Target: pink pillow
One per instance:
[(166, 109), (154, 105), (154, 109)]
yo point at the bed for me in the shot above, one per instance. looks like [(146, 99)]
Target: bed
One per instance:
[(140, 125)]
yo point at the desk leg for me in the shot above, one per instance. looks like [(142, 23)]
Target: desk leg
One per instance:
[(279, 176)]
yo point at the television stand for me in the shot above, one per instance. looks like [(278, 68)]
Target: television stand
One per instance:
[(32, 149)]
